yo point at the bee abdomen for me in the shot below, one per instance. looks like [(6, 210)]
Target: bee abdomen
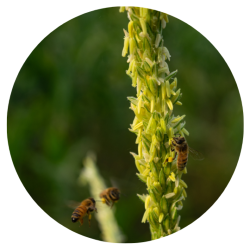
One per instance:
[(181, 163), (181, 167), (78, 213)]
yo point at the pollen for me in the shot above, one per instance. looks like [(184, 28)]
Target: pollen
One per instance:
[(170, 159)]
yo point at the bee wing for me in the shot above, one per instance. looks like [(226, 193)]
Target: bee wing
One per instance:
[(124, 186), (73, 204), (114, 182), (195, 154)]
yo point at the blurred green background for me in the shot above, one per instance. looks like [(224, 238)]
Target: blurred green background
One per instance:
[(70, 97)]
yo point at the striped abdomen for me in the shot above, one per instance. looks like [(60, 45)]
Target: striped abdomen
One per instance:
[(182, 160), (79, 213)]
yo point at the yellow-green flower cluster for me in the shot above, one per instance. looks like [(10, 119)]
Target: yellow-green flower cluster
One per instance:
[(154, 123)]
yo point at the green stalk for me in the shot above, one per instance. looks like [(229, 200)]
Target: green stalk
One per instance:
[(155, 124), (105, 216)]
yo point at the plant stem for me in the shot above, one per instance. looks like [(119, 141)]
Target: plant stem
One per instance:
[(105, 216)]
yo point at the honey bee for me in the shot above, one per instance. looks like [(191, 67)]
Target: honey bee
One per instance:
[(85, 208), (110, 196), (181, 147)]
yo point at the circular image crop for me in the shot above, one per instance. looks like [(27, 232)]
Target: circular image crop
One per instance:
[(125, 125)]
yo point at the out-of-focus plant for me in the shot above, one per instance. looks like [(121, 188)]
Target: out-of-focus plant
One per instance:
[(105, 216), (154, 124)]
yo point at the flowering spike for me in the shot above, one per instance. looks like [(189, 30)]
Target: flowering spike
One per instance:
[(155, 124)]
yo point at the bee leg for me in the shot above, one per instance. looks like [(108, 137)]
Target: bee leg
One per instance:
[(166, 161), (81, 221), (112, 205), (93, 209), (89, 216), (172, 146), (107, 202), (175, 155)]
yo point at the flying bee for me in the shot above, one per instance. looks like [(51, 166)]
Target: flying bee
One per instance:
[(179, 144), (110, 196), (85, 208)]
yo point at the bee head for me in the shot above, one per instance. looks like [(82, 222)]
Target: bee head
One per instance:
[(92, 200), (179, 140), (91, 209)]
